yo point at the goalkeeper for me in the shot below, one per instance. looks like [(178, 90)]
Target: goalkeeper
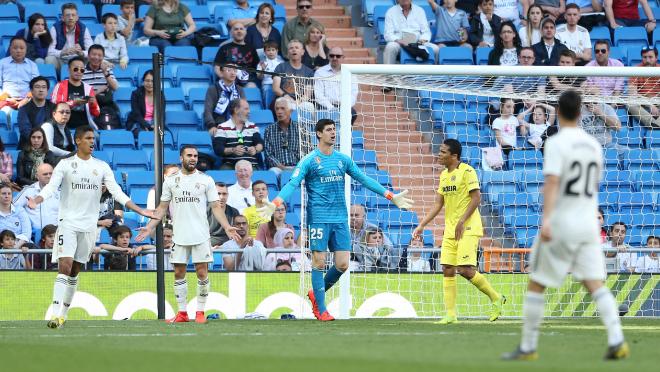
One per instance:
[(323, 171)]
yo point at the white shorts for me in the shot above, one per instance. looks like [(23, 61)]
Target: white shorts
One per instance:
[(181, 254), (76, 244), (551, 262)]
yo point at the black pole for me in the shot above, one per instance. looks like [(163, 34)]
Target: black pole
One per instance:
[(159, 110)]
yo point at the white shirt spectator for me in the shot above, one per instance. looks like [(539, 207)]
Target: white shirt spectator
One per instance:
[(239, 197), (507, 128), (327, 91), (396, 24), (647, 264), (576, 41), (507, 10), (536, 37), (270, 67), (418, 265), (45, 213), (252, 258)]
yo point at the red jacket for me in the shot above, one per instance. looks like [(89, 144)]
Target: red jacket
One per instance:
[(61, 94)]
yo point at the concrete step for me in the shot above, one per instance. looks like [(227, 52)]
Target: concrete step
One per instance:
[(402, 148), (317, 11), (334, 33), (379, 136), (334, 21), (346, 42), (316, 3), (356, 52), (361, 60)]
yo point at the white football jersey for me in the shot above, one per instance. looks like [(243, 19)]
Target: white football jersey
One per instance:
[(80, 196), (577, 158), (189, 196)]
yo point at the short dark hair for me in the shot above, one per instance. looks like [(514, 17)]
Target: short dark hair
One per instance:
[(82, 130), (652, 237), (27, 146), (484, 1), (168, 226), (321, 124), (620, 223), (645, 49), (105, 17), (37, 79), (126, 2), (17, 38), (186, 147), (570, 103), (271, 43), (526, 48), (601, 211), (233, 220), (258, 182), (603, 41), (68, 6), (234, 105), (5, 185), (454, 146), (96, 47), (6, 233), (148, 72), (77, 58), (573, 6), (220, 184), (121, 229), (567, 52), (48, 230)]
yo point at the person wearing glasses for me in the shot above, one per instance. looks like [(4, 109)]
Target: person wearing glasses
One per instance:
[(648, 115), (296, 27), (326, 91), (58, 135), (608, 86), (281, 140), (238, 138), (70, 38), (78, 95), (36, 111)]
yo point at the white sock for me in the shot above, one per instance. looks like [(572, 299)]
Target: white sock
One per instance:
[(607, 309), (181, 293), (61, 282), (532, 316), (202, 292), (71, 287)]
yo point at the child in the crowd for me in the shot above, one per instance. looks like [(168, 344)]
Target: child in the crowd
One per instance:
[(451, 23), (47, 241), (150, 259), (543, 116), (112, 41), (120, 255), (268, 64), (284, 238), (484, 25), (505, 126), (127, 21), (12, 261), (416, 263)]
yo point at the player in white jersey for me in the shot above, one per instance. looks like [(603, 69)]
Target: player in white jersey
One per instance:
[(79, 178), (189, 191), (570, 236)]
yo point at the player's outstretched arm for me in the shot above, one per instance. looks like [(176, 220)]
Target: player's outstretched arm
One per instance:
[(137, 209), (269, 207), (50, 188), (437, 207), (299, 173), (550, 191), (158, 215), (399, 200)]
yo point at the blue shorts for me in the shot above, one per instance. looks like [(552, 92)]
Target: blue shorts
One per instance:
[(329, 236)]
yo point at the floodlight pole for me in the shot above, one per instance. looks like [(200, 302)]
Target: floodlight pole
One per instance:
[(159, 110)]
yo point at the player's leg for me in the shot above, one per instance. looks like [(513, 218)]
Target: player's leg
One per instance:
[(340, 243), (85, 242), (179, 259), (448, 261), (66, 282), (318, 244), (201, 256), (59, 288)]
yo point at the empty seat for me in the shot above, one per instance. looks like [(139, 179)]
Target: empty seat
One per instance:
[(199, 139), (87, 14), (141, 55), (641, 159), (262, 117), (455, 56), (140, 180), (369, 7), (167, 75), (200, 13), (397, 219), (130, 160), (174, 100), (600, 33), (208, 54), (139, 197), (177, 56), (618, 181), (482, 54), (128, 77), (630, 137), (365, 159), (169, 157), (51, 12), (196, 98), (116, 140), (226, 176), (181, 120), (253, 96), (625, 36), (525, 159), (193, 77), (146, 140), (530, 180), (498, 182), (9, 13), (611, 159), (267, 176)]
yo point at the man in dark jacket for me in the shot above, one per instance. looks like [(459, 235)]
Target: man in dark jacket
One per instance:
[(484, 25), (547, 51), (218, 234), (37, 111)]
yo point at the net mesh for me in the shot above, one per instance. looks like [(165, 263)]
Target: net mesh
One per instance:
[(395, 138)]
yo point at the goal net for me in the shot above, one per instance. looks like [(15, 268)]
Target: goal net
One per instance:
[(501, 116)]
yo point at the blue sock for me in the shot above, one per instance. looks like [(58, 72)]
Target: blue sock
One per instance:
[(331, 277), (319, 289)]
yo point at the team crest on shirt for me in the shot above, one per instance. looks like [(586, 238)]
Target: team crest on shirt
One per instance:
[(95, 172), (74, 165), (317, 160), (296, 172), (340, 164), (453, 178), (198, 185)]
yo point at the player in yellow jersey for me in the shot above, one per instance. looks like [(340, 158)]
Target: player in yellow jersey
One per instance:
[(459, 193)]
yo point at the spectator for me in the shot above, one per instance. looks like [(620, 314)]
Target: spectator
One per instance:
[(283, 266), (417, 263), (98, 74), (46, 212), (615, 243), (574, 36), (531, 34), (218, 97), (260, 193), (111, 213), (284, 86), (648, 115), (508, 11), (625, 13), (649, 263), (316, 52), (543, 116), (239, 53), (252, 255), (599, 120), (326, 90), (284, 239), (592, 13), (218, 234), (281, 140), (113, 42), (14, 218), (37, 37), (120, 255), (70, 38), (34, 153), (484, 25), (165, 24), (40, 261), (238, 138), (372, 254), (451, 23), (168, 233), (505, 126), (601, 223), (12, 261), (57, 132), (240, 193), (241, 12), (359, 226), (6, 164), (405, 24), (522, 84), (561, 83), (78, 95), (263, 31), (36, 111), (16, 72), (507, 46), (547, 50), (296, 27), (141, 116), (127, 21), (267, 231), (268, 64), (553, 9), (608, 86)]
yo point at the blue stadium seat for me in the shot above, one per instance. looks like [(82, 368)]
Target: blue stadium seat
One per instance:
[(631, 137), (625, 36), (9, 138), (253, 96), (181, 120), (267, 176), (48, 71), (379, 20), (455, 56), (641, 159), (5, 124), (280, 13), (262, 118), (116, 140), (226, 176), (175, 100), (9, 13), (95, 29), (87, 14), (634, 55), (656, 37), (200, 13), (130, 160), (50, 11), (530, 181), (648, 182), (122, 97), (620, 53), (169, 157), (397, 219), (482, 55), (636, 236), (498, 182), (200, 139), (196, 97), (636, 204), (472, 156), (618, 181), (525, 159), (140, 180), (139, 197), (146, 140), (611, 159), (217, 9), (357, 139), (365, 159), (128, 77), (110, 8), (208, 54), (167, 75), (525, 237), (599, 33), (407, 59), (177, 56), (105, 156), (9, 30), (653, 139), (193, 77), (292, 219), (141, 55), (368, 8)]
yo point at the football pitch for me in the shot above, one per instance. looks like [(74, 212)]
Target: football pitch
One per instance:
[(303, 345)]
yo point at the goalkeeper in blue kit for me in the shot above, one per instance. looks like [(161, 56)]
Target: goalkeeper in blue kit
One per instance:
[(323, 171)]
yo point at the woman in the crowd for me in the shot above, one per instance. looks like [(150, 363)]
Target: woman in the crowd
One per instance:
[(168, 23), (531, 34), (316, 52), (37, 37), (141, 116), (57, 134), (284, 238), (507, 46), (34, 153), (263, 30), (266, 232)]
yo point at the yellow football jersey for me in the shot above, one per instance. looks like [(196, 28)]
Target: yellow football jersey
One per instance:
[(254, 220), (455, 187)]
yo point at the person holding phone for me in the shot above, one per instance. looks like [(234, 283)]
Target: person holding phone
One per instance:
[(79, 95)]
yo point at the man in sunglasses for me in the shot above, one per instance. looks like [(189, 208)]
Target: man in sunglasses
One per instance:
[(295, 28), (326, 91), (648, 115), (79, 95), (608, 86)]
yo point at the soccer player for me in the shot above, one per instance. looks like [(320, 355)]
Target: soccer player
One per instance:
[(323, 171), (459, 193), (189, 191), (79, 177), (570, 236)]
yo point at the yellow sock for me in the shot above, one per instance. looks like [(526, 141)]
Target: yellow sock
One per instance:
[(482, 284), (449, 293)]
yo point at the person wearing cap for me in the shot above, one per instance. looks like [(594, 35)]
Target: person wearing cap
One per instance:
[(547, 50), (646, 87)]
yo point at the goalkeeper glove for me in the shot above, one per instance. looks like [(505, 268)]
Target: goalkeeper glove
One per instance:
[(269, 208), (400, 199)]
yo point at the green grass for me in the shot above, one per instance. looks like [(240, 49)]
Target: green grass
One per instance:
[(355, 345)]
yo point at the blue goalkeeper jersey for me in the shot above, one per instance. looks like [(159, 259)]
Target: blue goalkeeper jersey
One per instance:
[(324, 183)]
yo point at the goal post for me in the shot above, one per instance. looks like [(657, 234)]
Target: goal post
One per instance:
[(395, 140)]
